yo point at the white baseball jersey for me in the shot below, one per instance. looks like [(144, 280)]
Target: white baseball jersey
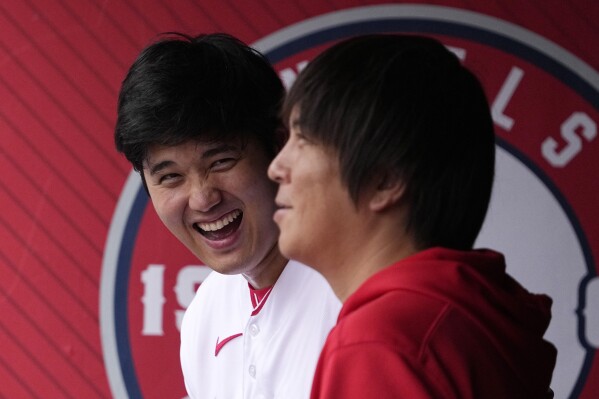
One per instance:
[(228, 353)]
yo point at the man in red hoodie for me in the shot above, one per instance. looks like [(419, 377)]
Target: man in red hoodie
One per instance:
[(383, 187)]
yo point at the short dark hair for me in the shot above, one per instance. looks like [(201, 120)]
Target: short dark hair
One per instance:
[(205, 88), (404, 105)]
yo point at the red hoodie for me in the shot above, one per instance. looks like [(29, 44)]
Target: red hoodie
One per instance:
[(439, 324)]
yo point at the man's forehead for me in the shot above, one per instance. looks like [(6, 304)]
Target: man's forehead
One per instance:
[(204, 149)]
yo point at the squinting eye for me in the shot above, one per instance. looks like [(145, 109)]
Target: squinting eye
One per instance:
[(223, 164), (302, 139), (222, 161), (167, 177)]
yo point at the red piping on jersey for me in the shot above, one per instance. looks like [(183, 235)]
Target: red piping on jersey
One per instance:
[(219, 345), (258, 303)]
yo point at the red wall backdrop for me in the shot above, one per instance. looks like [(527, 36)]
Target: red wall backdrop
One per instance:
[(92, 287)]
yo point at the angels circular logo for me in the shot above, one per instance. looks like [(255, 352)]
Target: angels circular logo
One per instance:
[(544, 106)]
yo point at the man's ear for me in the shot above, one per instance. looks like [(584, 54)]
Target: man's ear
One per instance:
[(388, 192)]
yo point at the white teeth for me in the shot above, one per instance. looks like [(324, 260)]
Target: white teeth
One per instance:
[(219, 224)]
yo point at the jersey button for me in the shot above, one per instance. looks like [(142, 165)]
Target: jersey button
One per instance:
[(252, 371), (254, 330)]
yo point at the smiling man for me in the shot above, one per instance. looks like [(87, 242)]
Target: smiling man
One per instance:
[(198, 118), (212, 197)]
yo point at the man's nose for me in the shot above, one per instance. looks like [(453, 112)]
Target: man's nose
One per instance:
[(204, 196), (276, 171)]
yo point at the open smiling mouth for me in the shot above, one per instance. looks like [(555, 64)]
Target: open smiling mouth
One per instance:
[(221, 228)]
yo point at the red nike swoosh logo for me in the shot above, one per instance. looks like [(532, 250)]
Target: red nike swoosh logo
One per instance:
[(220, 344)]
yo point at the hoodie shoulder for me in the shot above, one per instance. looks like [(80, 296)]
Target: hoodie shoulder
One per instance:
[(461, 316)]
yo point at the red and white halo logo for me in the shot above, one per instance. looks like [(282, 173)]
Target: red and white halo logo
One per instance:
[(544, 105)]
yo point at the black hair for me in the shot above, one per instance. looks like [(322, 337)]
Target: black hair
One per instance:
[(210, 87), (404, 106)]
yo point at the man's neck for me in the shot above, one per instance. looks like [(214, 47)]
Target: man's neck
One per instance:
[(268, 271)]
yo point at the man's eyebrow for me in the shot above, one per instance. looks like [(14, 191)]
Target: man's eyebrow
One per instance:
[(219, 149), (211, 152), (153, 169)]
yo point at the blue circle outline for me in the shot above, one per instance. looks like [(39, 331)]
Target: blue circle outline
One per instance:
[(121, 316), (399, 25)]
